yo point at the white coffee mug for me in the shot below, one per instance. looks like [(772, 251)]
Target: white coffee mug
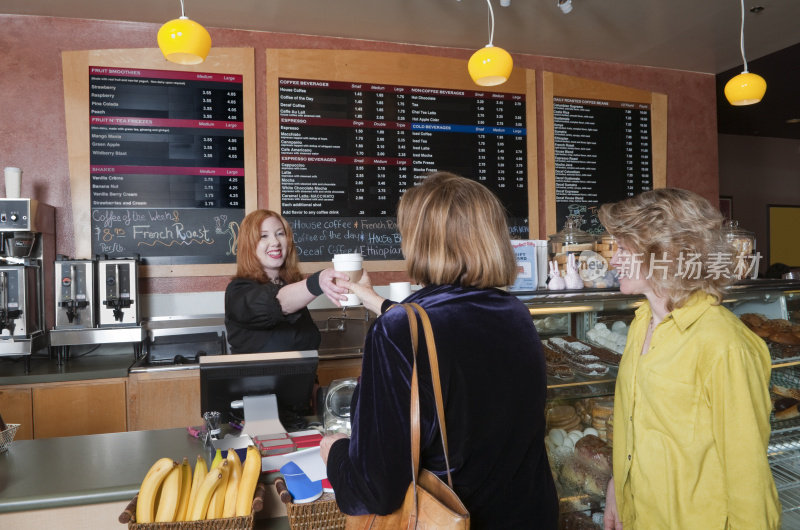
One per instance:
[(399, 291), (352, 265), (13, 182)]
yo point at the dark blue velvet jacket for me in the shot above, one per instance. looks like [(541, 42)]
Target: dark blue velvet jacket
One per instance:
[(494, 386)]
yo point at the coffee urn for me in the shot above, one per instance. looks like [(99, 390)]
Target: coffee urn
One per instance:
[(74, 283), (117, 291), (27, 248)]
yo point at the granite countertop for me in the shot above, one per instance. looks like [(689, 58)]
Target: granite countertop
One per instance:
[(109, 361), (78, 470)]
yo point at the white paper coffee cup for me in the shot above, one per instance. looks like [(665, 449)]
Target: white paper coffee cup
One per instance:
[(399, 291), (352, 265), (13, 182)]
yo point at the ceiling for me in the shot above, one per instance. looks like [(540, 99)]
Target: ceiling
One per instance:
[(692, 35)]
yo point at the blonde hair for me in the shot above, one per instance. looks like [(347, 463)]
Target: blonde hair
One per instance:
[(247, 263), (454, 232), (664, 224)]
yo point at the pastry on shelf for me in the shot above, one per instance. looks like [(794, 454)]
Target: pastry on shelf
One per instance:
[(786, 408), (785, 391)]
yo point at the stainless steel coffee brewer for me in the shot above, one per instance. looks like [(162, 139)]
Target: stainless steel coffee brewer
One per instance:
[(117, 291), (27, 248), (74, 287)]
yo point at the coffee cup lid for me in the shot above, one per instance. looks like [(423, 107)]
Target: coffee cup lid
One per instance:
[(348, 257)]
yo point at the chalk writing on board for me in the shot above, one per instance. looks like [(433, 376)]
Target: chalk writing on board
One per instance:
[(156, 233)]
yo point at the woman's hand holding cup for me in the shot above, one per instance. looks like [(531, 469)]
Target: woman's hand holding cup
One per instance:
[(364, 291), (336, 292)]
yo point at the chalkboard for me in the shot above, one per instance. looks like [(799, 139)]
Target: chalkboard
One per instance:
[(603, 143), (352, 131), (602, 154), (161, 157), (167, 164), (206, 235)]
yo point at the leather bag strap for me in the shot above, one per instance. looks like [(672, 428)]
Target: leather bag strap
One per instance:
[(414, 412), (433, 359)]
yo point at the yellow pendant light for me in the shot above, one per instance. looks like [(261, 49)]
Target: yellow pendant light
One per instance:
[(184, 41), (490, 65), (746, 88)]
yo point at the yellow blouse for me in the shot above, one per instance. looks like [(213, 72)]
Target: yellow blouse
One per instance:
[(691, 424)]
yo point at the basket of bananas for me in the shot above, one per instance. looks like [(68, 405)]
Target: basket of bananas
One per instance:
[(223, 496)]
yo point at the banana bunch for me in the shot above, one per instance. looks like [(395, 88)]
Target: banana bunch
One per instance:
[(171, 492)]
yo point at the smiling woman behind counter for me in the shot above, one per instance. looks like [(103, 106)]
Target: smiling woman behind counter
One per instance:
[(265, 303)]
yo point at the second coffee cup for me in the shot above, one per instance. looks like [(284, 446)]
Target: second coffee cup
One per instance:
[(352, 265)]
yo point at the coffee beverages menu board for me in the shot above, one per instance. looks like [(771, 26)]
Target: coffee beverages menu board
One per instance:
[(602, 154), (349, 150), (166, 164)]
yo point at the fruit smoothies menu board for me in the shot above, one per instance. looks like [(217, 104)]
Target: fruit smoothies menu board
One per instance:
[(602, 154), (348, 151), (166, 164)]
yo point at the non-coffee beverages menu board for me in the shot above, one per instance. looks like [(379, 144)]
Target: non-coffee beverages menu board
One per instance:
[(349, 150), (602, 154), (166, 164)]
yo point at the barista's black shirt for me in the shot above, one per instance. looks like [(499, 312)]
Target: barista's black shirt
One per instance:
[(255, 322)]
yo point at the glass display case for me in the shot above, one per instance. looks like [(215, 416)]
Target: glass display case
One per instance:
[(581, 329)]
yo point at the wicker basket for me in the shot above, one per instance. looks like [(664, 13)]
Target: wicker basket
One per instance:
[(7, 436), (244, 522), (322, 514)]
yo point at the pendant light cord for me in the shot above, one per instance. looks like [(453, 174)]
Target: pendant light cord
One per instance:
[(183, 12), (741, 38), (491, 23)]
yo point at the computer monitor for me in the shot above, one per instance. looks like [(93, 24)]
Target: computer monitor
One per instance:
[(289, 375)]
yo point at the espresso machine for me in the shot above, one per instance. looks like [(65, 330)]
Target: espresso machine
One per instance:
[(117, 291), (74, 287), (27, 248)]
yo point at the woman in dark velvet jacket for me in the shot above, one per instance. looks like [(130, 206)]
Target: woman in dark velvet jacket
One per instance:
[(456, 244)]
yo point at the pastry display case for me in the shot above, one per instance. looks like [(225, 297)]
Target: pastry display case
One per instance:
[(584, 333)]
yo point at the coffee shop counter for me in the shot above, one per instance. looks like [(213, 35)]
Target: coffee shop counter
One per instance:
[(106, 362), (87, 481)]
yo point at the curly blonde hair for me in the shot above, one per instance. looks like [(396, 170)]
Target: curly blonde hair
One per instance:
[(667, 225), (454, 231), (247, 263)]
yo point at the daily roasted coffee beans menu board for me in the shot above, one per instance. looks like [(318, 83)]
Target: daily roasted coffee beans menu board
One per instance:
[(602, 154), (349, 150), (166, 164)]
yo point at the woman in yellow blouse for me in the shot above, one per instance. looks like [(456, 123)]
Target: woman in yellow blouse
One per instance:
[(692, 405)]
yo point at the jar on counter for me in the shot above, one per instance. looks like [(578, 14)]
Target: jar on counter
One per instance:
[(744, 243), (570, 240), (606, 245)]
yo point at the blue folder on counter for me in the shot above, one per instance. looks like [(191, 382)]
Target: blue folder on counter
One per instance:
[(299, 485)]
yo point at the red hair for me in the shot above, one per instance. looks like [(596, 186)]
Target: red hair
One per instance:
[(247, 263)]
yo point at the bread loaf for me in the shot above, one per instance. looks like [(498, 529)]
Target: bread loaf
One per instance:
[(753, 320), (594, 453), (784, 337)]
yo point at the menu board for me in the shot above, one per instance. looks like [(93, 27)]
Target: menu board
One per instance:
[(348, 151), (602, 154), (166, 164)]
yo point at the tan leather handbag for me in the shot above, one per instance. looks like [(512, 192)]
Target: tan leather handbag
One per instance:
[(429, 502)]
